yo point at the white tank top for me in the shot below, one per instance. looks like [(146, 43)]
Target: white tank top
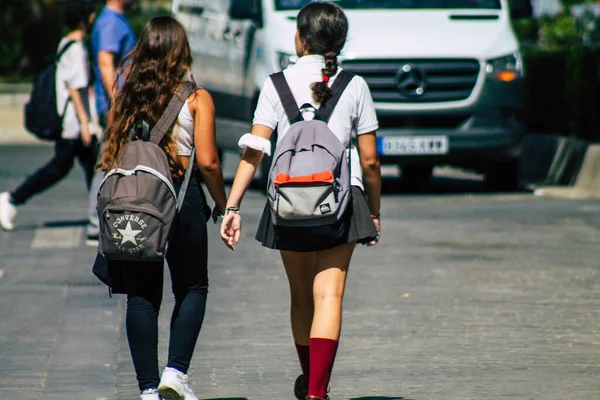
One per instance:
[(183, 131)]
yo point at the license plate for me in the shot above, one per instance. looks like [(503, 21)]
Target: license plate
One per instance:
[(413, 145)]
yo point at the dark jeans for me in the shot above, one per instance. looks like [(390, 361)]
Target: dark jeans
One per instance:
[(65, 152), (187, 260)]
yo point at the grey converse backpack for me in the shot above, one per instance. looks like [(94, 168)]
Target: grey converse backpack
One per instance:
[(137, 202), (309, 180)]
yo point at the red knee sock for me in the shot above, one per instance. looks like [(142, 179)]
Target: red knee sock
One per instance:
[(322, 356), (304, 358)]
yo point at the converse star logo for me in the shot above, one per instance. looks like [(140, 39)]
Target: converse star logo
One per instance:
[(128, 234)]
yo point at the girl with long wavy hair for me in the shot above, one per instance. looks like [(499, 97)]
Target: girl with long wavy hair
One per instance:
[(152, 72), (316, 259)]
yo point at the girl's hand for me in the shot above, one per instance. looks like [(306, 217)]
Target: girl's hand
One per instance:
[(377, 223), (86, 135), (231, 229)]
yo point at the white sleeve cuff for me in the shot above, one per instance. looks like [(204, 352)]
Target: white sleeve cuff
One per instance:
[(256, 143)]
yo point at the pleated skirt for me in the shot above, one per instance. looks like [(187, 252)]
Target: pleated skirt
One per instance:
[(355, 225)]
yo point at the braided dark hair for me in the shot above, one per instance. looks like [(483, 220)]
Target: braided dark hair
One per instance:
[(324, 27)]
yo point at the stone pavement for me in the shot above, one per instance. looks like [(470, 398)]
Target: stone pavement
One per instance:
[(13, 98), (468, 296)]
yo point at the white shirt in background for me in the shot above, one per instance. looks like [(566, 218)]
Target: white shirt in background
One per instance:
[(353, 115), (72, 72)]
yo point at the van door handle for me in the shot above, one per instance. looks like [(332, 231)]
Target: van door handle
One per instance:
[(229, 35)]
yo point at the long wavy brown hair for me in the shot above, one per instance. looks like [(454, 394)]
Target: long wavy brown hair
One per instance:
[(150, 75)]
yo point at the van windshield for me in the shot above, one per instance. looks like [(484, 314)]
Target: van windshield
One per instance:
[(398, 4)]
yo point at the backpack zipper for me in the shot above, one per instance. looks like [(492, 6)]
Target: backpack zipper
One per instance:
[(131, 172)]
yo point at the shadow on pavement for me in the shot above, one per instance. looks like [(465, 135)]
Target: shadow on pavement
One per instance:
[(52, 224), (380, 398), (439, 186), (227, 398)]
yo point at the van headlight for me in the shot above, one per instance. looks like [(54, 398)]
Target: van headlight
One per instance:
[(505, 69), (286, 59)]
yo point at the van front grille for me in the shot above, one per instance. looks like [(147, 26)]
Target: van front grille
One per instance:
[(418, 80), (429, 121)]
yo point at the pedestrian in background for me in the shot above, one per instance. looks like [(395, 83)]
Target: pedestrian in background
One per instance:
[(159, 63), (72, 98), (316, 259), (112, 39)]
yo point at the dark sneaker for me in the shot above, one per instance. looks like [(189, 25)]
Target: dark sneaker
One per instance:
[(92, 240), (301, 388)]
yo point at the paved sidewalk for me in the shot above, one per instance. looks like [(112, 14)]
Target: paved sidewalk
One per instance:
[(469, 296), (12, 127)]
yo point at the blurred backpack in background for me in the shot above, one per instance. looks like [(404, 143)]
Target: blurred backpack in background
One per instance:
[(41, 112)]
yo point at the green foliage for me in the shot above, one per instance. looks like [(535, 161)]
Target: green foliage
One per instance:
[(569, 3), (31, 29), (563, 91), (141, 16), (29, 34), (589, 25), (560, 31), (526, 29)]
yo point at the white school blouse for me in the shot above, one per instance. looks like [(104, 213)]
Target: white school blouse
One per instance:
[(72, 72), (353, 115), (183, 131)]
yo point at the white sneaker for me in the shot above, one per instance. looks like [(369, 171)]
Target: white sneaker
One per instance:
[(150, 394), (8, 212), (174, 386)]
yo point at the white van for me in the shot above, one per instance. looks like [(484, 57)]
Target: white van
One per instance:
[(446, 75)]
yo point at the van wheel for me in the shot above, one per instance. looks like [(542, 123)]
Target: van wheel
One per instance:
[(503, 175), (415, 176)]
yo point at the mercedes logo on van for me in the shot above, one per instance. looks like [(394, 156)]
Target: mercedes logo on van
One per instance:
[(410, 81)]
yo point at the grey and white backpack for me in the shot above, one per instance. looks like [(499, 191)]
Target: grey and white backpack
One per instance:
[(137, 202), (309, 180)]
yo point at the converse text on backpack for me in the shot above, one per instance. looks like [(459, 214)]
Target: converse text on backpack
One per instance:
[(126, 238)]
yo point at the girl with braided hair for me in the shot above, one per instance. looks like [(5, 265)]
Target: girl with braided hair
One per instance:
[(316, 259)]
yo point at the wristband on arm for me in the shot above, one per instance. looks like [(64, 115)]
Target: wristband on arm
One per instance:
[(255, 142)]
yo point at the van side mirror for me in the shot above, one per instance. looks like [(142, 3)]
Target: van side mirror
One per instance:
[(246, 9)]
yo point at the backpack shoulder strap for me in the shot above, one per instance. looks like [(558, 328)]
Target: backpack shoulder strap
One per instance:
[(338, 87), (63, 50), (286, 97), (169, 117), (56, 60)]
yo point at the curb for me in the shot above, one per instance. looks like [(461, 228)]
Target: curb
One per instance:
[(562, 167), (563, 193), (15, 88)]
